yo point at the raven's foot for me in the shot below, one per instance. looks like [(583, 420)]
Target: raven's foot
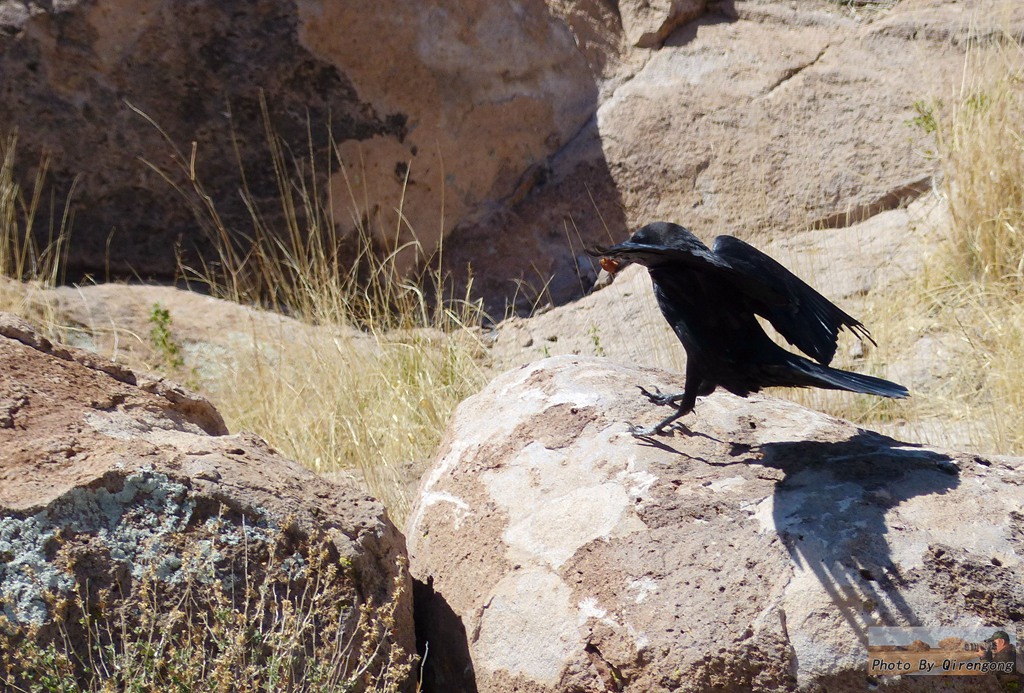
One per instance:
[(644, 431), (660, 398), (650, 431)]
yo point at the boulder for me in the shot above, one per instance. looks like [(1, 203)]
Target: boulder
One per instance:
[(751, 551), (437, 110), (758, 117), (119, 491)]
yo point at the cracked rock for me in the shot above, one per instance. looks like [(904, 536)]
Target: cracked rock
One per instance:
[(751, 553)]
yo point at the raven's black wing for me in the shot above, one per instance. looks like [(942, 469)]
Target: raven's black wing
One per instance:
[(807, 320)]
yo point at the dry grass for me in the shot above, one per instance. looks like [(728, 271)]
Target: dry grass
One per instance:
[(29, 265), (382, 358), (974, 286), (962, 318), (979, 140)]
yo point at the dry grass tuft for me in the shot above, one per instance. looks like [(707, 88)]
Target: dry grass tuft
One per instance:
[(975, 286), (28, 265), (958, 327), (980, 146), (379, 359)]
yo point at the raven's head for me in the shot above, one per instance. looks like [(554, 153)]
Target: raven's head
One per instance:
[(647, 246)]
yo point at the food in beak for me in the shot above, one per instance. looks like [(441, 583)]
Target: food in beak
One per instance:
[(610, 265)]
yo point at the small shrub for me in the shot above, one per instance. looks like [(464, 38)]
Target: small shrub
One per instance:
[(162, 341), (234, 617)]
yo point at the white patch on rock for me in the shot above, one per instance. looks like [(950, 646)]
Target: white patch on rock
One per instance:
[(588, 608), (643, 587), (510, 638), (765, 514), (117, 425), (461, 507), (637, 482), (726, 484), (579, 504)]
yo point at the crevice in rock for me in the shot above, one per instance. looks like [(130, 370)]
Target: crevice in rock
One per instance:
[(610, 675), (895, 198), (794, 71)]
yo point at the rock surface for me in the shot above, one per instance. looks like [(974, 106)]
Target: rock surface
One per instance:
[(108, 477), (752, 553), (213, 334), (438, 109), (758, 117), (523, 129), (646, 24)]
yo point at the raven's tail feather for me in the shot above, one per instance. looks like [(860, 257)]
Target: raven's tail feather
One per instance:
[(835, 379)]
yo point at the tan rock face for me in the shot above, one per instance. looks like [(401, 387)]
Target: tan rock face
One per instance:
[(750, 554), (757, 117), (109, 479), (491, 89), (647, 23), (436, 109)]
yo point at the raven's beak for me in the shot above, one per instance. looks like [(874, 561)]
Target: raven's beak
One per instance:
[(613, 258)]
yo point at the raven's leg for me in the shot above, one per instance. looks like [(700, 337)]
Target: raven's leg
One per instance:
[(644, 431), (687, 399)]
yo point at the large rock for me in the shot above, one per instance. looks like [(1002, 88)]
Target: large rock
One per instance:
[(751, 553), (524, 130), (760, 116), (436, 108), (114, 486)]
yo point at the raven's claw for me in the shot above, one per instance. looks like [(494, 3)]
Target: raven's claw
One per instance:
[(650, 431), (659, 398), (642, 431)]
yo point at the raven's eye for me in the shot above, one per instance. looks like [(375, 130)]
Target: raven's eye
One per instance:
[(610, 265)]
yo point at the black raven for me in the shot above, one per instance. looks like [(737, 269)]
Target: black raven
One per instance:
[(710, 298)]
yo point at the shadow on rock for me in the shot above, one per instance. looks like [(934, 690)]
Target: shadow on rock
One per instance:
[(830, 512)]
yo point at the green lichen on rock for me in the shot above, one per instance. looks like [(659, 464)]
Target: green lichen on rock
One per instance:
[(133, 523), (141, 579)]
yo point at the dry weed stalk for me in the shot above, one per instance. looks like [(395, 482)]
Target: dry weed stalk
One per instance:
[(284, 619)]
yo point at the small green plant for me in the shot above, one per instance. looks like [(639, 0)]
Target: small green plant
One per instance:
[(595, 337), (161, 339), (925, 118)]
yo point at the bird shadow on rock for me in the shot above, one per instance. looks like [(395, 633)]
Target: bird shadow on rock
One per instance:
[(830, 512), (829, 509)]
